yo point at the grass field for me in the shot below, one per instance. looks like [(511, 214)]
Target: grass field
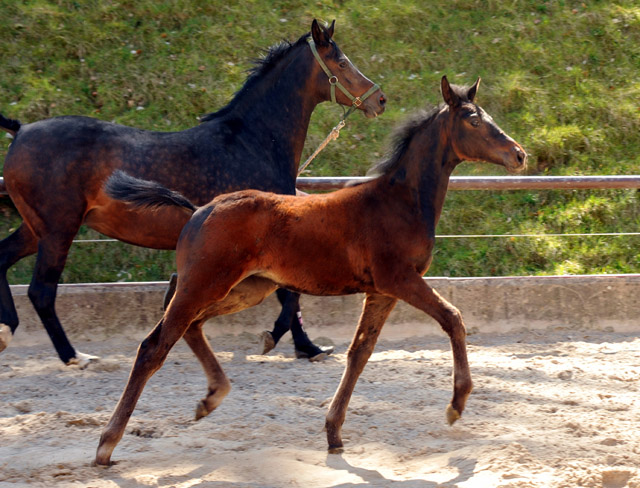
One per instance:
[(561, 77)]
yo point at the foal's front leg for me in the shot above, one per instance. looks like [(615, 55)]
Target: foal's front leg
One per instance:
[(152, 352), (415, 291), (375, 311)]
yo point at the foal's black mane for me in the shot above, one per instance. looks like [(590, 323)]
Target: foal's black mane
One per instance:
[(403, 134), (261, 66)]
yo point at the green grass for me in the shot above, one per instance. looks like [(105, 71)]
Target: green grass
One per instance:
[(561, 77)]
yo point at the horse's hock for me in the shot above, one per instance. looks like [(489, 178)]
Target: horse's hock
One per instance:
[(491, 305)]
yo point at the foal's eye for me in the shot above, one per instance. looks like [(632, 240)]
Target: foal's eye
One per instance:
[(474, 120)]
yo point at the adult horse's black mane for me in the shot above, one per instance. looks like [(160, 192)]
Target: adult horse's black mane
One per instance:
[(403, 134), (261, 66)]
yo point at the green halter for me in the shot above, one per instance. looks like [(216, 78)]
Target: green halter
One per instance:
[(333, 81)]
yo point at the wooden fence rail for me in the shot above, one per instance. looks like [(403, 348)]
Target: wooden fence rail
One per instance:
[(481, 182), (496, 182)]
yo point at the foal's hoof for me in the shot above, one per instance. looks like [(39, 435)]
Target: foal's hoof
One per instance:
[(201, 410), (82, 360), (452, 414), (336, 449), (5, 336), (103, 465), (266, 338), (314, 353)]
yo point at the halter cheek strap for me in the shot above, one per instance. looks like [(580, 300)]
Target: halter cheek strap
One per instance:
[(334, 82), (355, 103)]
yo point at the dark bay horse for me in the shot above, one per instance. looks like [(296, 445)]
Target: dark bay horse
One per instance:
[(55, 170), (376, 238)]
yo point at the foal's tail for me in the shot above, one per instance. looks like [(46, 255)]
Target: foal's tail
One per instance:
[(143, 193), (10, 125)]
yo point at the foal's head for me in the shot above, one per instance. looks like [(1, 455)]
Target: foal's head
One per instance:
[(474, 134), (341, 70)]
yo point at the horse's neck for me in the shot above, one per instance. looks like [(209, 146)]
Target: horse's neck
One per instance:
[(277, 109), (427, 166)]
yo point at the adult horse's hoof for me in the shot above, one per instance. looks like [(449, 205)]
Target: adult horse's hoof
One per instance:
[(452, 414), (5, 336), (82, 360), (266, 339), (314, 353)]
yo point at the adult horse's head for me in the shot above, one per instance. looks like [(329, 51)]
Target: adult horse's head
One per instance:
[(335, 70), (474, 134)]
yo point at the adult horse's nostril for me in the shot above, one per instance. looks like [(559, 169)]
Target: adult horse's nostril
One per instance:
[(382, 100), (521, 155)]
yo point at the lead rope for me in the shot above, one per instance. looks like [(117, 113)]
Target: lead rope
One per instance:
[(335, 132)]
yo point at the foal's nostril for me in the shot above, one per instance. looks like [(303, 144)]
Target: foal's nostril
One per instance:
[(383, 100), (521, 155)]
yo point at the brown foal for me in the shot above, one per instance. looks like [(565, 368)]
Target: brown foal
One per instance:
[(374, 238)]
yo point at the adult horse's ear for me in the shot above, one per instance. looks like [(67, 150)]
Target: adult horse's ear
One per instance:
[(451, 98), (320, 34), (330, 29), (471, 94)]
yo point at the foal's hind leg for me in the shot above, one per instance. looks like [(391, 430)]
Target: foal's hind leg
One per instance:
[(218, 384), (13, 248), (151, 355), (376, 310)]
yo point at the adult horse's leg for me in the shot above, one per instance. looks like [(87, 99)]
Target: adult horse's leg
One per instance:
[(416, 292), (217, 382), (13, 248), (52, 255), (151, 355), (290, 318), (171, 290), (375, 311)]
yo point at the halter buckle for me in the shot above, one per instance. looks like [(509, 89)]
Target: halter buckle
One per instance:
[(357, 102)]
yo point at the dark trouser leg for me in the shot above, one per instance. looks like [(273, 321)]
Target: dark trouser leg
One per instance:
[(290, 318)]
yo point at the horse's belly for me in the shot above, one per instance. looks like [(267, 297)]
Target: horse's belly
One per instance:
[(157, 228)]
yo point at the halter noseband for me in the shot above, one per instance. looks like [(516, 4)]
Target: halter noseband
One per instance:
[(333, 81)]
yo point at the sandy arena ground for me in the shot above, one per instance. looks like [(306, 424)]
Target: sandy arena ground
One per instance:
[(549, 409)]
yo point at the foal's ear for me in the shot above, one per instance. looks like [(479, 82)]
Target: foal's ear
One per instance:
[(451, 98), (321, 35), (471, 94)]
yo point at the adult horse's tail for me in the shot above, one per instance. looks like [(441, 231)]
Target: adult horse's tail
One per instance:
[(143, 193), (10, 125)]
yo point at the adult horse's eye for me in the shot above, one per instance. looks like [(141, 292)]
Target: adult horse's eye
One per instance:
[(474, 120), (343, 65)]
